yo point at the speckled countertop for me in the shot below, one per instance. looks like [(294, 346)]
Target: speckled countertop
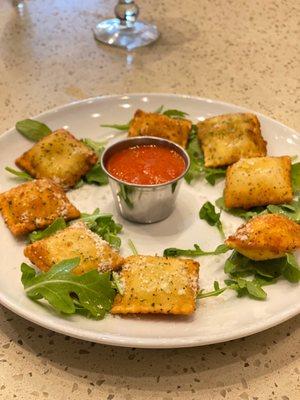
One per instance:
[(244, 52)]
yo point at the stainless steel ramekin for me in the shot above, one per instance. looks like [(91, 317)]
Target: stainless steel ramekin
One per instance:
[(144, 203)]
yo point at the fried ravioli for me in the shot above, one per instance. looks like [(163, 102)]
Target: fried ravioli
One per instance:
[(35, 205), (75, 241), (227, 138), (258, 181), (154, 124), (266, 237), (157, 285), (60, 157)]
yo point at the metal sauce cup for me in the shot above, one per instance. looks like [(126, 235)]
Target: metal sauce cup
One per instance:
[(144, 203)]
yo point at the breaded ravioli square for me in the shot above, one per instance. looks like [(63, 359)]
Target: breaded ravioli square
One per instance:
[(75, 241), (60, 157), (35, 205), (227, 138), (258, 181), (157, 285), (159, 125), (266, 237)]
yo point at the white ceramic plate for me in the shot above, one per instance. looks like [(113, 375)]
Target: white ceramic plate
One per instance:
[(216, 319)]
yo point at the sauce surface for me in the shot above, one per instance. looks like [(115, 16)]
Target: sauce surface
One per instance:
[(146, 165)]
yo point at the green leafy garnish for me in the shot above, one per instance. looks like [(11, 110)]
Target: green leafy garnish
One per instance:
[(214, 174), (196, 252), (208, 214), (197, 168), (296, 177), (132, 247), (291, 210), (100, 223), (104, 226), (238, 265), (291, 269), (79, 184), (56, 226), (169, 113), (97, 147), (125, 193), (245, 287), (266, 272), (240, 212), (159, 110), (20, 174), (216, 292), (119, 127), (32, 129), (69, 293), (172, 113), (117, 283), (196, 157), (96, 173)]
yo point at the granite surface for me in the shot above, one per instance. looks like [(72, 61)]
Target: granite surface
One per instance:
[(244, 52)]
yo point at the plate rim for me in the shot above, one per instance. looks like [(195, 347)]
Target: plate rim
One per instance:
[(141, 342), (137, 94)]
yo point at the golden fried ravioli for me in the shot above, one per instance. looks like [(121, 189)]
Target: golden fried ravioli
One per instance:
[(60, 157), (227, 138), (35, 205), (157, 285), (258, 181), (266, 237), (153, 124), (75, 241)]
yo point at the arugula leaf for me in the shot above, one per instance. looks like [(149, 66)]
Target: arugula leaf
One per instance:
[(196, 157), (119, 127), (91, 219), (240, 212), (132, 247), (291, 211), (197, 168), (208, 214), (100, 223), (117, 283), (20, 174), (67, 292), (213, 174), (296, 177), (96, 175), (104, 226), (79, 184), (245, 287), (177, 114), (216, 292), (196, 252), (266, 272), (172, 113), (159, 110), (291, 270), (97, 147), (124, 194), (56, 226), (32, 129), (238, 265)]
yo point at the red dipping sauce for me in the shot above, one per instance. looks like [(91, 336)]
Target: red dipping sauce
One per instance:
[(146, 165)]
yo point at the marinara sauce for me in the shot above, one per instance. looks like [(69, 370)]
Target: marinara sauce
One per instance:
[(146, 165)]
